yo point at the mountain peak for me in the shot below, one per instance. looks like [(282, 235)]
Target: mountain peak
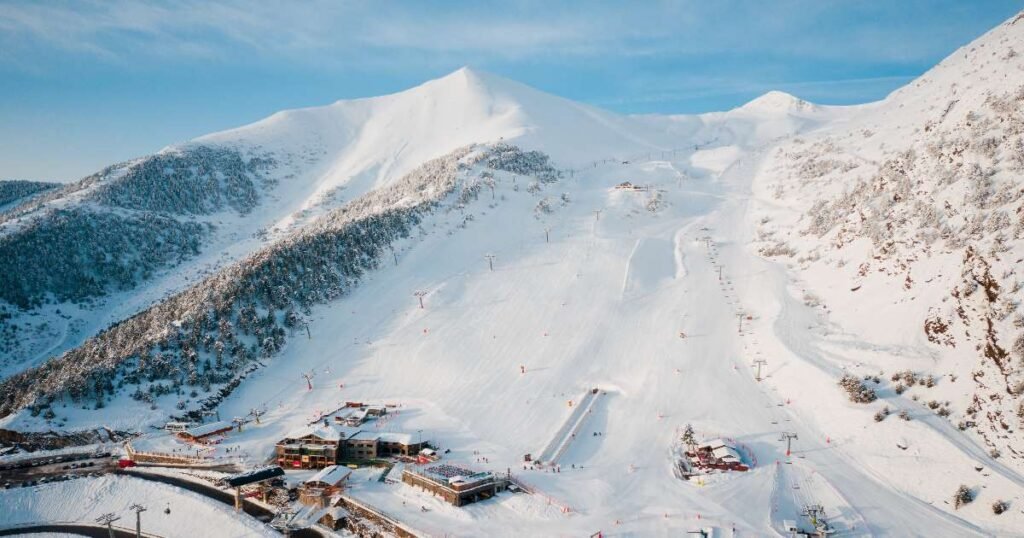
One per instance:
[(463, 73), (470, 78), (776, 101)]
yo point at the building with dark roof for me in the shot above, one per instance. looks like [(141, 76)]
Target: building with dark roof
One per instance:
[(456, 485), (206, 430), (253, 476)]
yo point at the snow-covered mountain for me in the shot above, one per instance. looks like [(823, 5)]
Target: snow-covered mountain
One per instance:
[(907, 224), (372, 140), (200, 205), (867, 258), (15, 191), (153, 226)]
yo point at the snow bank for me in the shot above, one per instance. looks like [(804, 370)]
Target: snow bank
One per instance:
[(85, 499)]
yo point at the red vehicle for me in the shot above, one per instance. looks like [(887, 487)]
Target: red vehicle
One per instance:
[(125, 463)]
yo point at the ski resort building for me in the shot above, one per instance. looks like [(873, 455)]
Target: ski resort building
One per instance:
[(456, 485), (351, 417), (718, 454), (316, 447), (397, 444), (354, 414), (629, 186), (177, 427), (199, 433), (317, 490), (312, 447)]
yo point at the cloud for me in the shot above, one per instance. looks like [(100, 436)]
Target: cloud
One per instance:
[(349, 33)]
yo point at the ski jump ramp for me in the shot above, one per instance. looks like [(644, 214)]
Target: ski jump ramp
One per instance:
[(567, 432)]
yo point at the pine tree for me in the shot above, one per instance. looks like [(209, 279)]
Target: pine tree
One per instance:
[(688, 437)]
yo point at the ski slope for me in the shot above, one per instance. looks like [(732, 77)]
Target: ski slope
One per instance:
[(559, 309), (596, 293)]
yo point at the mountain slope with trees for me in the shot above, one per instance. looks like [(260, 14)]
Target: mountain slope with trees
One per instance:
[(211, 334), (14, 191)]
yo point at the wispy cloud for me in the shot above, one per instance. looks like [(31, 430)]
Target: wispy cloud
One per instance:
[(96, 81), (333, 32)]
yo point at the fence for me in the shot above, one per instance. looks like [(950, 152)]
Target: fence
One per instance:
[(529, 488), (72, 527), (164, 458)]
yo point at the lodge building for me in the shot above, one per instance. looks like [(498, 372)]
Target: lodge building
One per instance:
[(324, 444)]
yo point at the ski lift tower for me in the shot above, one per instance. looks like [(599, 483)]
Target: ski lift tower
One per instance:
[(139, 509), (759, 363), (788, 438), (108, 520)]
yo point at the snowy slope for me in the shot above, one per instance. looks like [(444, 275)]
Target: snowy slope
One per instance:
[(365, 143), (906, 224), (747, 233), (319, 158), (85, 499)]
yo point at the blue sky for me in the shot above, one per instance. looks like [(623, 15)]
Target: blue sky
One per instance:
[(85, 84)]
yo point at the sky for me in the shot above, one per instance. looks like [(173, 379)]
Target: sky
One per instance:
[(86, 84)]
